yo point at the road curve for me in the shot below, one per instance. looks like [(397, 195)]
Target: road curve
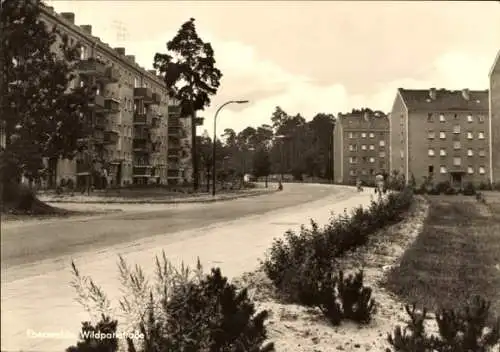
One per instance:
[(37, 297)]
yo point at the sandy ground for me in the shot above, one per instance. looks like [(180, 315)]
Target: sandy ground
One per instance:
[(37, 296), (298, 329)]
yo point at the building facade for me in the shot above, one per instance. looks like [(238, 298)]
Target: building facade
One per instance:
[(494, 119), (131, 132), (360, 146), (442, 135)]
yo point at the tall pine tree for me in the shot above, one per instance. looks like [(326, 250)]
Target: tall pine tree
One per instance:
[(191, 76), (42, 117)]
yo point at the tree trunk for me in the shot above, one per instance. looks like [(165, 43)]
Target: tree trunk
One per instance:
[(266, 181), (208, 180)]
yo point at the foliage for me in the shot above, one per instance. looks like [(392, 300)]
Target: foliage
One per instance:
[(190, 75), (98, 338), (43, 118), (466, 330), (182, 310), (261, 163), (300, 265)]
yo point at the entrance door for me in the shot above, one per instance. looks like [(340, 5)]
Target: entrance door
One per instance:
[(456, 180)]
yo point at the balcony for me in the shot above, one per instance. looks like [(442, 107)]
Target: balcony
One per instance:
[(112, 105), (98, 69), (141, 146), (174, 146), (156, 147), (82, 168), (174, 111), (141, 170), (199, 121), (98, 137), (99, 122), (98, 103), (173, 154), (156, 99), (111, 137), (143, 119), (144, 94)]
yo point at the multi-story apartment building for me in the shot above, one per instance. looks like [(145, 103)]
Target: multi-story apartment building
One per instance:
[(494, 120), (360, 146), (129, 143), (441, 134)]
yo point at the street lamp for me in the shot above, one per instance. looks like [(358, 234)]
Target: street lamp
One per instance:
[(215, 137)]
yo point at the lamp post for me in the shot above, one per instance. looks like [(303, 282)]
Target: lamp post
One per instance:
[(215, 138), (281, 137)]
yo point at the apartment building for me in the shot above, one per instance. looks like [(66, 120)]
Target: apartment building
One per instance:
[(360, 146), (130, 136), (441, 134), (494, 119)]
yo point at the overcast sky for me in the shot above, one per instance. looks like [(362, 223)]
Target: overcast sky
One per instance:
[(310, 57)]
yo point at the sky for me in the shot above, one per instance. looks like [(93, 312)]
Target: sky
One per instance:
[(310, 57)]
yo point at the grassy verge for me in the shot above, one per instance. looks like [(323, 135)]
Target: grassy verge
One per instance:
[(456, 256)]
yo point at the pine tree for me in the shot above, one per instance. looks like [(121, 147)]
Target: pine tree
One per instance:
[(41, 116), (191, 62)]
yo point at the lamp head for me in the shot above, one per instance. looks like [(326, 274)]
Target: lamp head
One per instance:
[(241, 101)]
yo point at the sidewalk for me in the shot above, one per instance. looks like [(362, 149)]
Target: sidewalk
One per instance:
[(167, 199)]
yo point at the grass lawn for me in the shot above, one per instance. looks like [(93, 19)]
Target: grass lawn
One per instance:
[(456, 256)]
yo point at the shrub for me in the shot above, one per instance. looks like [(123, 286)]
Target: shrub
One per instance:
[(98, 338), (450, 191), (357, 303), (443, 186), (180, 311), (483, 186), (469, 189), (465, 330)]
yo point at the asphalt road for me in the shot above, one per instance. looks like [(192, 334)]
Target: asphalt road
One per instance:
[(37, 297), (33, 242)]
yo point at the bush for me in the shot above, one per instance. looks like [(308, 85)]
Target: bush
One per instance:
[(465, 330), (98, 338), (450, 191), (483, 186), (180, 311), (443, 186), (469, 189)]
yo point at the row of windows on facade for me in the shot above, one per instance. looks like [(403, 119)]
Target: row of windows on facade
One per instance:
[(354, 159), (363, 172), (364, 134), (84, 54), (456, 146), (354, 147), (470, 169), (456, 130), (442, 118)]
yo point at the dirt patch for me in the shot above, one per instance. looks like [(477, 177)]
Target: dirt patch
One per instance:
[(294, 328)]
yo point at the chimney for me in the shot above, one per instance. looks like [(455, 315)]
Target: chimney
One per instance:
[(465, 94), (432, 93), (86, 28), (153, 72), (120, 51), (68, 16), (131, 58)]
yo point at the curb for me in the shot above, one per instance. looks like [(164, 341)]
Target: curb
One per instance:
[(159, 201)]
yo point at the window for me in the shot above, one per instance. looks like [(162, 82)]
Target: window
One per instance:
[(364, 159), (82, 83), (83, 52), (470, 170), (470, 118), (482, 153), (431, 152), (352, 160), (441, 118), (442, 169), (98, 90), (136, 82), (351, 135), (363, 147), (457, 161), (470, 135), (442, 135), (482, 170), (381, 154), (381, 143), (480, 135), (456, 145), (481, 118), (363, 135), (371, 171), (470, 152), (401, 154), (456, 129), (442, 152), (372, 135), (455, 117), (351, 147), (429, 117), (431, 135), (363, 172), (372, 147), (430, 169), (352, 172), (372, 159)]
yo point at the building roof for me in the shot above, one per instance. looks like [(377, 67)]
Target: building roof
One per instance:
[(496, 64), (445, 100)]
